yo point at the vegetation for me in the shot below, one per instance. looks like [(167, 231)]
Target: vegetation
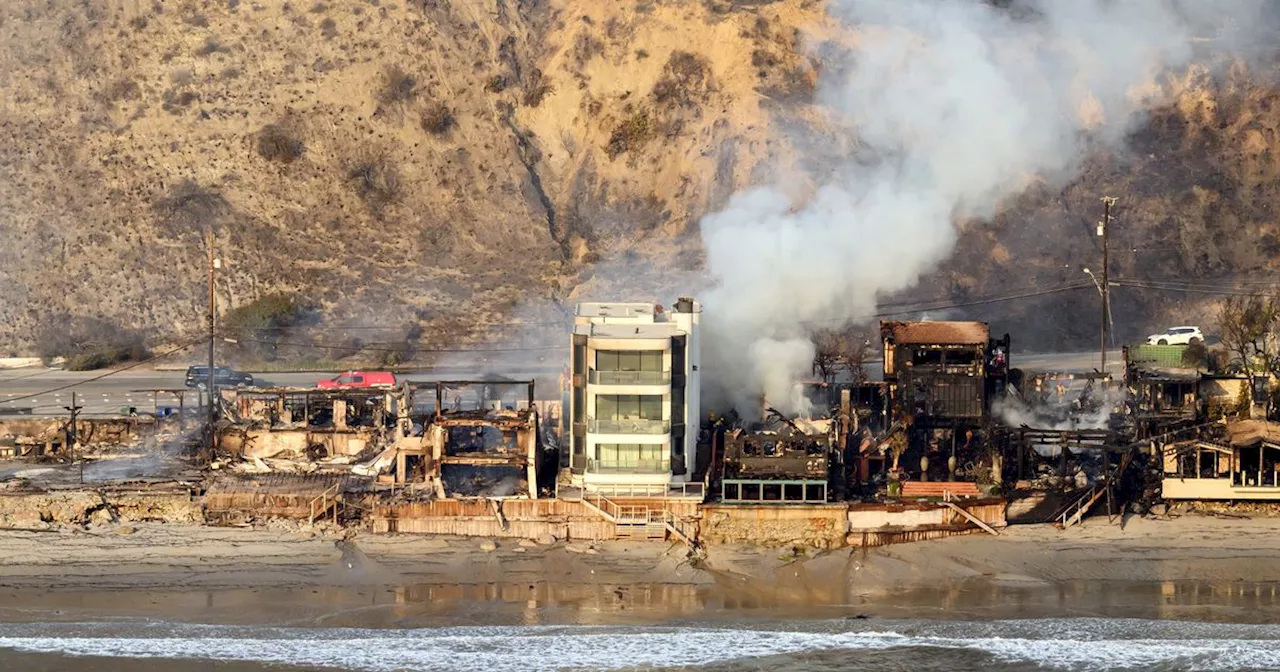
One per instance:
[(190, 207), (260, 328), (89, 343), (840, 350), (630, 135), (1249, 326), (277, 144), (377, 182), (397, 87), (537, 89), (404, 350), (685, 78), (437, 119)]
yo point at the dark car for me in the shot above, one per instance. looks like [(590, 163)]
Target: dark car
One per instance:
[(198, 376)]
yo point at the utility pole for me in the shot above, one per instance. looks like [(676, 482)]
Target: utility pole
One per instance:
[(1104, 231), (212, 394), (74, 409)]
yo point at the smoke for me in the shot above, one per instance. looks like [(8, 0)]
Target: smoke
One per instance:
[(1061, 414), (956, 105)]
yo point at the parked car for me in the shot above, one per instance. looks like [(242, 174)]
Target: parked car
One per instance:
[(198, 376), (1177, 336), (357, 379)]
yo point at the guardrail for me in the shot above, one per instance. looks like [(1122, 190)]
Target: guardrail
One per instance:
[(628, 426), (680, 490), (321, 503), (596, 377), (662, 466)]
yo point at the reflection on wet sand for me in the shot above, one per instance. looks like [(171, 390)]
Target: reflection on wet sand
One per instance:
[(548, 603)]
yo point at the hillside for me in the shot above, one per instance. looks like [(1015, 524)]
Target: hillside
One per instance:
[(445, 168)]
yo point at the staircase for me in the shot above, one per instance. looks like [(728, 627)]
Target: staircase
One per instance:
[(325, 502), (1074, 512), (632, 521)]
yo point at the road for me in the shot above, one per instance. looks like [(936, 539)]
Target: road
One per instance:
[(37, 389), (1067, 362)]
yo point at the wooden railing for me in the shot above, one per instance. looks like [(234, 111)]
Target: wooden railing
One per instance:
[(602, 505), (677, 526), (1074, 512), (322, 502)]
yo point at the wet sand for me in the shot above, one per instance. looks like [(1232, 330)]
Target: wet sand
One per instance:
[(214, 600), (1191, 567)]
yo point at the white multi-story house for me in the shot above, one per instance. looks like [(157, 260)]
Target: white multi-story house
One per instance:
[(633, 411)]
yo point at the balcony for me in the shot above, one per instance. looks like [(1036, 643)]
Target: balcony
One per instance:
[(624, 426), (629, 377), (662, 466)]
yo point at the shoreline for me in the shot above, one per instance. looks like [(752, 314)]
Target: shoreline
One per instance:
[(1190, 568)]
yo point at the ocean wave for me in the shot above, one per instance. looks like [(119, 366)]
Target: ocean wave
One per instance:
[(1054, 643)]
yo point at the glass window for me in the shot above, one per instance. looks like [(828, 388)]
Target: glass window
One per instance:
[(631, 456), (629, 360), (629, 407), (607, 407), (650, 407), (927, 357)]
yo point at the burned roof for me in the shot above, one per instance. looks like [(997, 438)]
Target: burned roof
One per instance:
[(937, 333)]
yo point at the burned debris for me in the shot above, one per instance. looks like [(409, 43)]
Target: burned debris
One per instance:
[(951, 433)]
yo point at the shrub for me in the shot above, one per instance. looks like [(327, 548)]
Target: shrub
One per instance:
[(377, 182), (259, 326), (537, 89), (496, 84), (189, 206), (437, 119), (397, 86), (89, 342), (329, 28), (629, 135), (685, 77), (211, 46), (277, 144)]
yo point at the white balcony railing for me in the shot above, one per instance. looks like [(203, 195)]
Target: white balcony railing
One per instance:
[(662, 466), (629, 377), (623, 426)]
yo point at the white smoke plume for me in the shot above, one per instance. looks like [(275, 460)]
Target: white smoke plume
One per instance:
[(955, 105)]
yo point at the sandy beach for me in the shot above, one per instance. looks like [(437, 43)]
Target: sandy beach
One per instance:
[(201, 598), (1209, 563)]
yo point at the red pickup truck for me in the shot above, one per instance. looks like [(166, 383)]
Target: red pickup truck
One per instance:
[(356, 379)]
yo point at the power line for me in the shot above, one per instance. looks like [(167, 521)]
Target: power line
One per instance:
[(108, 374), (949, 306), (1192, 289), (997, 299), (323, 346)]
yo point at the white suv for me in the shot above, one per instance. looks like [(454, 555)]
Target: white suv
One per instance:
[(1177, 336)]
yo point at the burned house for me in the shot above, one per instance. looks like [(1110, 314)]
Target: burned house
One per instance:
[(309, 424), (944, 374), (482, 440), (942, 379), (1243, 464), (1170, 389), (779, 460)]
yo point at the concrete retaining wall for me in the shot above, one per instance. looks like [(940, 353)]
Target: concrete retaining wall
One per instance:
[(816, 525)]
